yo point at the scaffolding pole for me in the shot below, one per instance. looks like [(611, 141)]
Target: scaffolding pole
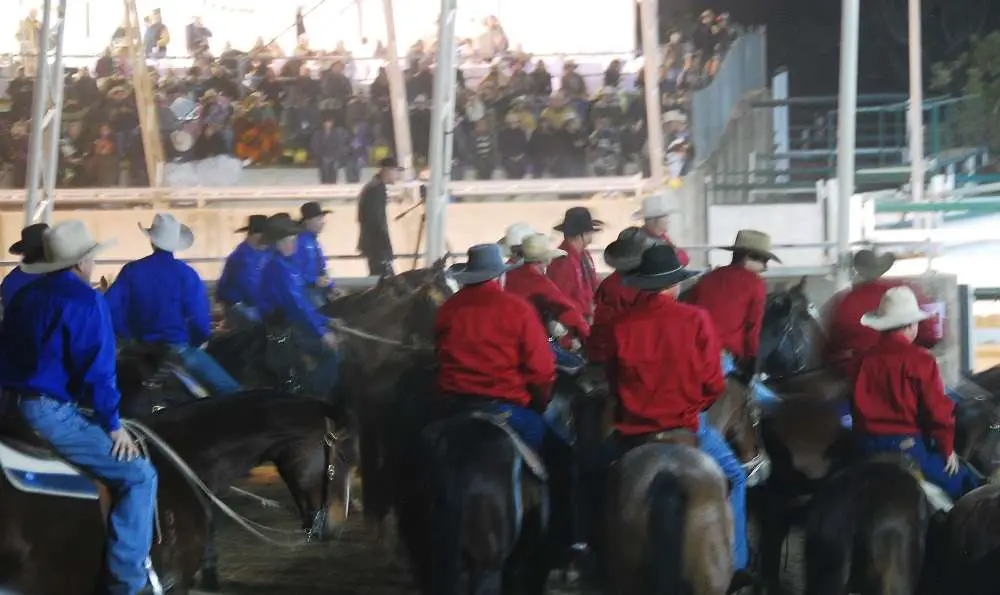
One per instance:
[(846, 134), (648, 19), (916, 110), (399, 107), (46, 117), (442, 124), (145, 103)]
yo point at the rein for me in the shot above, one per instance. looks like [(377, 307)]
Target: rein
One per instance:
[(360, 334), (256, 529)]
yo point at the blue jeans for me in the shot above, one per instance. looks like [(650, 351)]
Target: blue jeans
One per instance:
[(86, 445), (565, 358), (203, 368), (714, 445), (761, 393), (530, 426), (326, 375), (931, 462)]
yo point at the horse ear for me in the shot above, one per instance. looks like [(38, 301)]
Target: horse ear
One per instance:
[(103, 284), (440, 263), (801, 285)]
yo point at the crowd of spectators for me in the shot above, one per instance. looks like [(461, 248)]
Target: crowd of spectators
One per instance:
[(516, 116)]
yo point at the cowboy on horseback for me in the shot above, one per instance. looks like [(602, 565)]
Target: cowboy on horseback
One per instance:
[(613, 296), (574, 273), (161, 301), (848, 339), (237, 286), (529, 281), (309, 254), (665, 371), (512, 239), (899, 400), (493, 354), (57, 353), (283, 303), (30, 249), (734, 296), (655, 216)]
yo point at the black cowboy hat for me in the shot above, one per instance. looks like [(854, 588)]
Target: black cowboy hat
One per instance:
[(31, 239), (388, 163), (485, 262), (255, 224), (659, 269), (280, 226), (578, 220), (311, 210), (625, 253), (870, 266)]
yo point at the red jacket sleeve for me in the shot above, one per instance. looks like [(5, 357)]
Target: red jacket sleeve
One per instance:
[(569, 314), (927, 335), (755, 319), (682, 256), (712, 380), (539, 365), (567, 279), (939, 420)]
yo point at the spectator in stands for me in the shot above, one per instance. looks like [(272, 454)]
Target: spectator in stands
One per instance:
[(330, 149), (197, 37), (542, 148), (513, 146), (613, 74), (420, 128), (573, 143), (482, 140), (157, 36), (541, 80), (103, 166)]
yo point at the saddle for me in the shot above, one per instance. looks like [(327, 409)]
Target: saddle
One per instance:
[(530, 457), (936, 497), (678, 437), (158, 367)]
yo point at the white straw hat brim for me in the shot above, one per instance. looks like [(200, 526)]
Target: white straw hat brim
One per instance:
[(184, 240), (893, 320), (45, 266)]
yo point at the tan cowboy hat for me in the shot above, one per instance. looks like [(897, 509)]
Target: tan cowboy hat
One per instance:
[(898, 308), (168, 234), (870, 266), (655, 206), (755, 242), (181, 140), (516, 232), (535, 248), (65, 244)]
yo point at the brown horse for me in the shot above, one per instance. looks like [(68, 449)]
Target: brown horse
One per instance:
[(54, 544), (966, 547)]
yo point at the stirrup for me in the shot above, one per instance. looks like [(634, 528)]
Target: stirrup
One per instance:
[(758, 469), (156, 587)]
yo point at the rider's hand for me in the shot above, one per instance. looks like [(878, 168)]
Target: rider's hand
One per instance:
[(951, 465), (330, 341), (124, 448), (322, 282)]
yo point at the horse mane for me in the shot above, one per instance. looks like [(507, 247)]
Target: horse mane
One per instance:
[(988, 380)]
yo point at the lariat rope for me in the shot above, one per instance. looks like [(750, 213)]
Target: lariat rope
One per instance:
[(340, 326)]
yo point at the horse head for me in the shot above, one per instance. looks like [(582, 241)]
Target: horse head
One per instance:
[(977, 428), (791, 337)]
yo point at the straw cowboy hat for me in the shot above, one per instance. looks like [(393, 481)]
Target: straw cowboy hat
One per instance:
[(756, 243), (31, 239), (485, 262), (870, 266), (659, 268), (898, 308), (655, 206), (65, 244), (168, 234), (182, 141), (625, 253), (516, 232), (535, 248), (577, 221)]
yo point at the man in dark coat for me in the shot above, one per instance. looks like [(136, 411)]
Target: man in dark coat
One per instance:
[(373, 241)]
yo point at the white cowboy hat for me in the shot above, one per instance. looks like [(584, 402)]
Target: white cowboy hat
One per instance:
[(65, 244), (168, 234), (535, 248), (897, 309), (655, 206), (755, 242), (515, 234), (182, 140)]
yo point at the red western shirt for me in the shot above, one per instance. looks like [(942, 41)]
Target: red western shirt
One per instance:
[(899, 391), (531, 284), (734, 299), (576, 276), (682, 254), (847, 339), (664, 366), (491, 343), (612, 298)]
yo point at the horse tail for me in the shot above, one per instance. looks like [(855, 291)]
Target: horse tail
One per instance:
[(667, 506), (446, 522)]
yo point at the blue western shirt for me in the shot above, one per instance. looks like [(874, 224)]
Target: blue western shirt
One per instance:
[(241, 276), (159, 299), (282, 291), (310, 258), (13, 282), (57, 339)]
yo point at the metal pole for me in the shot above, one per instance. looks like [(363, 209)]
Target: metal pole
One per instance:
[(46, 118), (846, 124), (648, 20), (916, 111), (442, 122), (397, 94)]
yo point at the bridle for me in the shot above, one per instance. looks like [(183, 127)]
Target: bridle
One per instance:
[(331, 438)]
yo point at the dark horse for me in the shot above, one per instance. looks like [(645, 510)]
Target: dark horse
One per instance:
[(53, 545)]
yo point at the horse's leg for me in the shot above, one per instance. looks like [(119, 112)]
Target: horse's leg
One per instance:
[(210, 562), (485, 581), (828, 566), (774, 528)]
